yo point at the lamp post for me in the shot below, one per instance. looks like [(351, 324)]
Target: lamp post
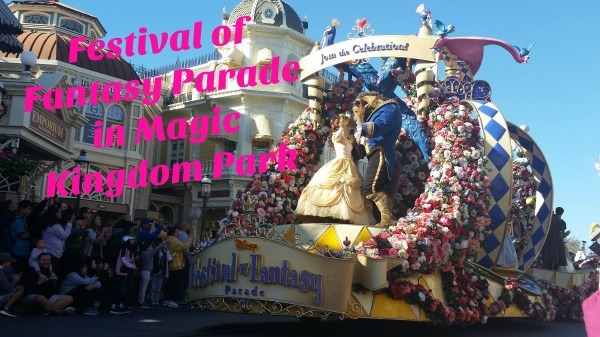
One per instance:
[(81, 160), (205, 185), (28, 59)]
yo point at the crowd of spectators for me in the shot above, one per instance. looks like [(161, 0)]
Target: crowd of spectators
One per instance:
[(55, 260)]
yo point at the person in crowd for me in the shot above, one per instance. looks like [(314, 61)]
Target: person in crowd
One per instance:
[(108, 302), (160, 272), (10, 292), (73, 254), (147, 253), (114, 243), (95, 238), (19, 235), (147, 235), (83, 289), (41, 292), (184, 236), (60, 224), (185, 232), (176, 286), (7, 215), (40, 247), (36, 221), (124, 271)]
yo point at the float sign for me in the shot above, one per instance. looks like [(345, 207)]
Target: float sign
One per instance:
[(266, 270)]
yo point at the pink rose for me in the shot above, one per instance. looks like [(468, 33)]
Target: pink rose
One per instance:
[(370, 244)]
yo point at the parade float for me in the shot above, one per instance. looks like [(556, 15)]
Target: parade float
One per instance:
[(464, 178)]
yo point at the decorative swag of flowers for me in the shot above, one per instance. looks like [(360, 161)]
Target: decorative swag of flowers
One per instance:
[(16, 164), (467, 297), (449, 218)]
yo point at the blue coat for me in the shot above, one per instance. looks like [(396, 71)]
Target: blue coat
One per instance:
[(382, 129)]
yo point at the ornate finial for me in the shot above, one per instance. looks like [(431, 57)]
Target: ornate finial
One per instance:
[(361, 26), (224, 10)]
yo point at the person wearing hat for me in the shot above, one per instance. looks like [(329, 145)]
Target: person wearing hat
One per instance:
[(124, 267), (121, 229), (10, 292), (146, 234)]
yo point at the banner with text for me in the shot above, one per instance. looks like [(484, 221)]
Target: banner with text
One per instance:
[(261, 269), (413, 47)]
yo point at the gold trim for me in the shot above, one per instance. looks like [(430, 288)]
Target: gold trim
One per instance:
[(381, 159), (252, 306)]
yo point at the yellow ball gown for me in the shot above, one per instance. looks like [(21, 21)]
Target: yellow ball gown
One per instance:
[(334, 190)]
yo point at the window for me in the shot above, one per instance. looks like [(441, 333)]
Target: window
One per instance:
[(177, 151), (167, 213), (259, 147), (137, 114), (36, 19), (93, 112), (72, 26), (115, 116), (230, 146)]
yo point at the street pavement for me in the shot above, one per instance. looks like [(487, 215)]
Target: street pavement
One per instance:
[(183, 322)]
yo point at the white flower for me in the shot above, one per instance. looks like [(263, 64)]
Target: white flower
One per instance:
[(422, 297)]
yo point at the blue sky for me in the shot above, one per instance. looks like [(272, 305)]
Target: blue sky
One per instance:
[(553, 93)]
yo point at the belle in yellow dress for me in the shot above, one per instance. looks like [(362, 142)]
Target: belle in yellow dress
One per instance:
[(334, 191)]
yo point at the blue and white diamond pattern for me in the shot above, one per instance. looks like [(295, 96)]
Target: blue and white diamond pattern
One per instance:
[(497, 149), (543, 197)]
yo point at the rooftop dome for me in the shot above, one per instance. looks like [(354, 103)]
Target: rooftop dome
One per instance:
[(52, 46), (286, 16)]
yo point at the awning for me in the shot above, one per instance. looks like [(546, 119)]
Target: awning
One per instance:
[(225, 135), (262, 128), (9, 28), (265, 56), (8, 22), (233, 58), (233, 137)]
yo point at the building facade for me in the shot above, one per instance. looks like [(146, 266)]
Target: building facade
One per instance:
[(275, 34), (55, 137)]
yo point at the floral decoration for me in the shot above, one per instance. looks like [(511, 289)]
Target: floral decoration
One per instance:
[(568, 303), (449, 218), (274, 195), (16, 164)]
